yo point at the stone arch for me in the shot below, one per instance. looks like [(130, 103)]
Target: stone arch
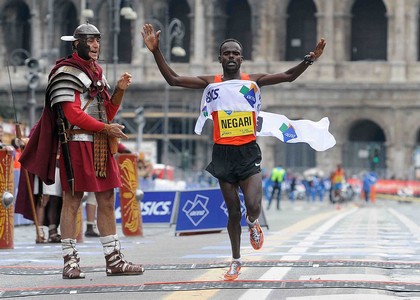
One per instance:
[(365, 131), (369, 30), (365, 139), (103, 13), (301, 27), (229, 19), (65, 21), (238, 24), (359, 116), (15, 20)]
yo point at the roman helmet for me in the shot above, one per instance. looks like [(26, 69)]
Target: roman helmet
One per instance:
[(81, 34), (82, 31)]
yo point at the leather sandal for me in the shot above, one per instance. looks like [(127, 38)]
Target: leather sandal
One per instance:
[(54, 238), (71, 268), (116, 265), (41, 239)]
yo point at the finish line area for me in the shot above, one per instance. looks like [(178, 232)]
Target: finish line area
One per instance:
[(172, 286), (39, 270), (210, 285)]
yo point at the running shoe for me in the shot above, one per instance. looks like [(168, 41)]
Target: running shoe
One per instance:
[(256, 236), (234, 269)]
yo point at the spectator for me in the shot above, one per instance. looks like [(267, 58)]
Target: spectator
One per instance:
[(278, 174), (369, 179), (337, 180)]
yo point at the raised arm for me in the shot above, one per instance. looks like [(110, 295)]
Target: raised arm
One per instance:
[(293, 73), (151, 40)]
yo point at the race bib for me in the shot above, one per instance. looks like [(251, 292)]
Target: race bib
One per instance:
[(235, 123)]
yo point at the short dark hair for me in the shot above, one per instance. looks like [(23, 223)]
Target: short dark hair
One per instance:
[(229, 40)]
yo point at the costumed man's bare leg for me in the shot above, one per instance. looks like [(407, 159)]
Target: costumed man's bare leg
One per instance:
[(91, 208), (53, 211), (68, 234), (115, 263), (41, 203)]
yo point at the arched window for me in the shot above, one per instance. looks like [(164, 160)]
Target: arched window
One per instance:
[(66, 20), (365, 140), (369, 30), (180, 9), (16, 31), (418, 137), (301, 29), (103, 21), (125, 37), (238, 25), (366, 131)]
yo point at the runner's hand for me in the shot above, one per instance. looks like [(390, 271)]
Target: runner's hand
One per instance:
[(319, 49), (151, 39)]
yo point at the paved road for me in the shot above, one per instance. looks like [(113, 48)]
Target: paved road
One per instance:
[(312, 251)]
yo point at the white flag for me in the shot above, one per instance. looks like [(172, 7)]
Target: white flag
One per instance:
[(315, 134)]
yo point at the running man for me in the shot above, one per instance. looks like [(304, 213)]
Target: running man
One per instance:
[(236, 156)]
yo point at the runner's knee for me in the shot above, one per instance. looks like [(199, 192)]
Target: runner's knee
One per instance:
[(234, 214)]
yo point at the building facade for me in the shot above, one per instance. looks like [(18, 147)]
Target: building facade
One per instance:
[(367, 82)]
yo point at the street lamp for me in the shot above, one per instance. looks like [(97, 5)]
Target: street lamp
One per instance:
[(33, 81), (20, 57), (173, 30), (86, 12)]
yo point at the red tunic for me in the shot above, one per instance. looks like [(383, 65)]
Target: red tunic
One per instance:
[(81, 153), (39, 156)]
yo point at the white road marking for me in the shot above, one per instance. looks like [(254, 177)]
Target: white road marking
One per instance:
[(302, 247)]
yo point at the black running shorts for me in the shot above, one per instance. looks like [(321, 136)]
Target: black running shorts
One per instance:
[(235, 163)]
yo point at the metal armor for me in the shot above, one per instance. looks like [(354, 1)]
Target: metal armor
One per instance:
[(62, 87)]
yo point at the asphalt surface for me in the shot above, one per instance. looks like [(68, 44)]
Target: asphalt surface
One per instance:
[(191, 266)]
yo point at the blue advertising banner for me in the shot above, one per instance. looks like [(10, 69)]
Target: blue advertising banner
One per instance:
[(156, 207), (203, 210)]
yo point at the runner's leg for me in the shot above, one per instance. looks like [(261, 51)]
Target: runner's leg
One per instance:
[(233, 204), (252, 190)]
